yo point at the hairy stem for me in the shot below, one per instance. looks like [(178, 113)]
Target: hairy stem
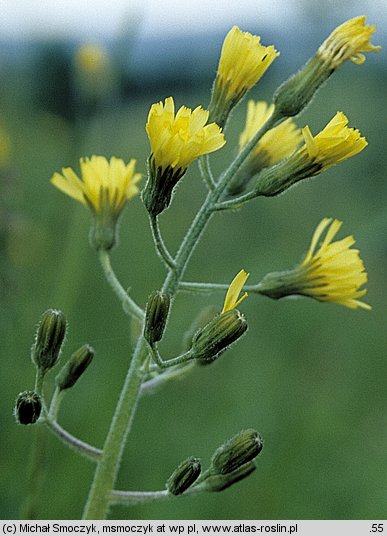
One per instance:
[(128, 303), (161, 248)]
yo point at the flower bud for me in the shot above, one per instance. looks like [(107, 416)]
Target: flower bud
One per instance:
[(184, 476), (27, 407), (49, 338), (75, 367), (156, 316), (218, 334), (221, 482), (237, 451)]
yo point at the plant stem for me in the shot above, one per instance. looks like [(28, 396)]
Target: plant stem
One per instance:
[(138, 497), (107, 469), (80, 446), (206, 173), (106, 473), (161, 248), (128, 303)]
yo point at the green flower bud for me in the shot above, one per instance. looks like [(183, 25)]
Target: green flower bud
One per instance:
[(222, 482), (49, 338), (184, 476), (218, 334), (156, 315), (237, 451), (75, 367), (204, 316), (28, 407)]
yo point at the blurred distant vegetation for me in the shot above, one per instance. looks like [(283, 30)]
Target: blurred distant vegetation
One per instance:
[(310, 377)]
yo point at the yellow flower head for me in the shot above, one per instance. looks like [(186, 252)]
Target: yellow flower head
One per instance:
[(177, 140), (91, 58), (335, 143), (277, 143), (104, 188), (232, 299), (243, 61), (103, 183), (332, 271), (347, 42)]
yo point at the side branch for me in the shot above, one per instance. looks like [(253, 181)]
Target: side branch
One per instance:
[(90, 452), (129, 305), (161, 248), (206, 173)]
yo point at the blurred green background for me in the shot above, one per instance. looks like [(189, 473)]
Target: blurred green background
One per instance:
[(310, 377)]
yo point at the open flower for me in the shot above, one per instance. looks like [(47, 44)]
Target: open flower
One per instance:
[(275, 145), (243, 61), (232, 299), (104, 187), (334, 144), (347, 42), (330, 272), (176, 140)]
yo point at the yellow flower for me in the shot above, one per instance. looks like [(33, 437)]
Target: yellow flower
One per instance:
[(91, 58), (277, 143), (103, 182), (333, 272), (177, 140), (347, 42), (334, 144), (104, 188), (243, 61), (330, 272), (232, 299)]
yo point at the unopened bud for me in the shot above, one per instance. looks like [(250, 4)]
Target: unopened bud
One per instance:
[(156, 316), (237, 451), (202, 319), (222, 482), (75, 367), (218, 334), (28, 407), (49, 338), (184, 476)]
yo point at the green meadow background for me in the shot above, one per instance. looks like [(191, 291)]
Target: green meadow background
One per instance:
[(310, 377)]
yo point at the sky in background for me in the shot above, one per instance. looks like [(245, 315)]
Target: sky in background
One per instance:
[(99, 18)]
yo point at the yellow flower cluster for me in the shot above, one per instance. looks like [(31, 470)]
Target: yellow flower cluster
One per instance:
[(335, 143), (276, 144), (347, 42), (332, 271), (104, 185)]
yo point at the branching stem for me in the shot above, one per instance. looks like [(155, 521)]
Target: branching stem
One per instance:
[(161, 248)]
